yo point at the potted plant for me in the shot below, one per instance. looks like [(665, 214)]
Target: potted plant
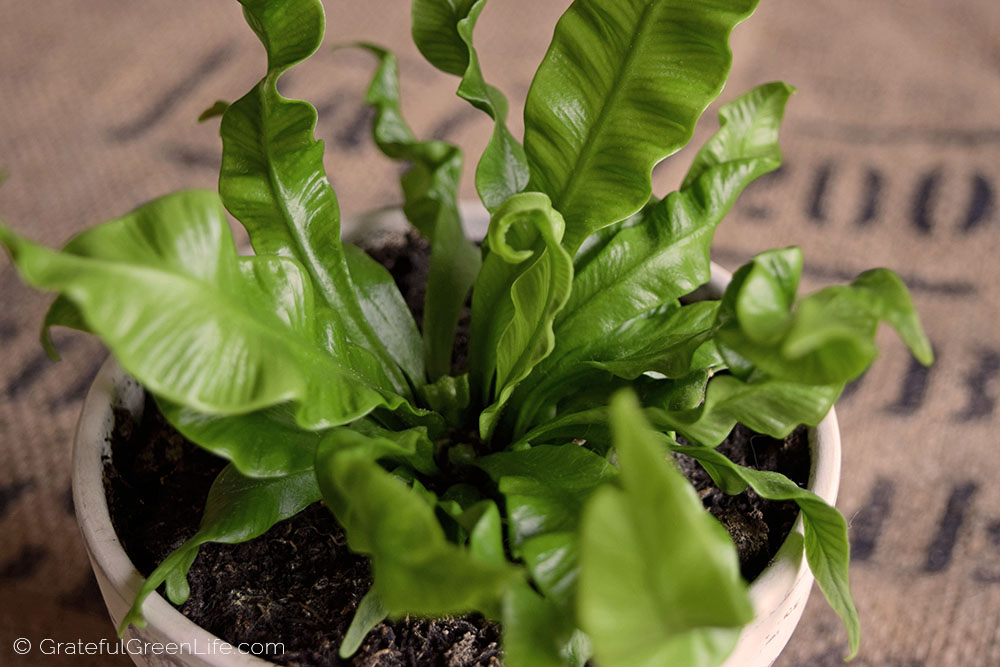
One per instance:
[(535, 484)]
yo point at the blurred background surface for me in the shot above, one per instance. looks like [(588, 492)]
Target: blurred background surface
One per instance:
[(892, 158)]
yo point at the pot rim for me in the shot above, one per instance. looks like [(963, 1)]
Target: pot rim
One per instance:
[(786, 576)]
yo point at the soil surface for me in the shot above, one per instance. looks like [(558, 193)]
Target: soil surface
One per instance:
[(299, 584)]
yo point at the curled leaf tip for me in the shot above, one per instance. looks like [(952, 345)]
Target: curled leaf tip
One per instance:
[(532, 208)]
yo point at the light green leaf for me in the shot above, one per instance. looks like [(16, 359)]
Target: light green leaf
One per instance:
[(448, 396), (659, 577), (272, 178), (264, 443), (765, 405), (545, 487), (884, 295), (442, 30), (430, 190), (827, 337), (538, 634), (672, 343), (386, 310), (416, 569), (369, 614), (62, 313), (196, 324), (238, 509), (536, 296), (621, 88), (826, 544)]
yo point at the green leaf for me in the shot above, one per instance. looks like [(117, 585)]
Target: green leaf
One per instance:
[(238, 509), (272, 178), (621, 88), (386, 310), (442, 30), (217, 109), (536, 296), (826, 544), (672, 343), (430, 190), (659, 577), (885, 296), (544, 489), (827, 337), (538, 634), (62, 313), (411, 447), (198, 325), (416, 569), (660, 255), (448, 396), (766, 405), (369, 614), (264, 443)]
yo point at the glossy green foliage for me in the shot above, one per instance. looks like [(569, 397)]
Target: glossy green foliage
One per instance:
[(661, 255), (826, 545), (195, 323), (416, 569), (659, 577), (545, 488), (536, 296), (506, 487), (824, 338), (238, 509), (621, 88), (430, 190), (272, 177), (442, 30)]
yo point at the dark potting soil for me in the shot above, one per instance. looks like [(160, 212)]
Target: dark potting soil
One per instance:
[(298, 585)]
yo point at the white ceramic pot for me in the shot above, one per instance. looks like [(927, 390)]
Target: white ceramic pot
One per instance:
[(779, 594)]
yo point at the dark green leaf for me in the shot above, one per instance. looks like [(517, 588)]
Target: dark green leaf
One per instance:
[(659, 577), (545, 487), (238, 509), (620, 88), (214, 111), (448, 396), (386, 310)]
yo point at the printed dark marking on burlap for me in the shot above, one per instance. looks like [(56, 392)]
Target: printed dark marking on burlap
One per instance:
[(913, 388), (25, 563), (170, 99), (980, 384), (866, 526), (942, 546)]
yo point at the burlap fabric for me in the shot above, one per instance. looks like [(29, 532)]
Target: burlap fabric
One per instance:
[(892, 150)]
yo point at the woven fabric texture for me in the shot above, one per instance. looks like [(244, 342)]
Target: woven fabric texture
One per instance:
[(892, 158)]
